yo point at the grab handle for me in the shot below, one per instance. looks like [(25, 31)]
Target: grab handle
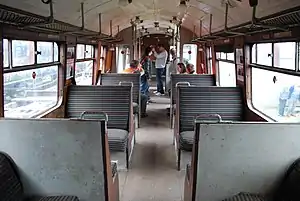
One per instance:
[(102, 115), (183, 83), (125, 82), (201, 118)]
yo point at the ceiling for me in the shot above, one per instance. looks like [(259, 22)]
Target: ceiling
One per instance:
[(150, 11)]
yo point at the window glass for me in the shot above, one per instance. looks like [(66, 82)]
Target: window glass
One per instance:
[(84, 72), (88, 51), (253, 54), (273, 94), (264, 54), (210, 66), (44, 52), (22, 53), (80, 52), (223, 55), (56, 54), (230, 56), (5, 53), (284, 55), (218, 55), (25, 97), (190, 57), (227, 74)]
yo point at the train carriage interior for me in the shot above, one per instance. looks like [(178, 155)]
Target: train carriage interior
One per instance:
[(136, 100)]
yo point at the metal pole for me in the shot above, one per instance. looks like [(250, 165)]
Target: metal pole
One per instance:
[(110, 27), (210, 23), (200, 31), (82, 16), (226, 16), (100, 23)]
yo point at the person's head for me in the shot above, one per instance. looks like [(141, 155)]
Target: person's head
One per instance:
[(148, 51), (181, 68), (134, 64), (160, 47), (190, 68), (73, 81), (173, 52)]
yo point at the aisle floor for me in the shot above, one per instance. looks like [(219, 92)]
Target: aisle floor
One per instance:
[(153, 175)]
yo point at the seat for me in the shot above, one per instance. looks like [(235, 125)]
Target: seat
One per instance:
[(117, 139), (114, 168), (11, 187), (246, 197), (186, 140), (135, 108)]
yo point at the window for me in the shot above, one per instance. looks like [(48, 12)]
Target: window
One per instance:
[(268, 88), (29, 87), (84, 72), (190, 53), (225, 56), (276, 91), (25, 97), (22, 53), (5, 53), (285, 55), (227, 74), (84, 69), (84, 51), (209, 60)]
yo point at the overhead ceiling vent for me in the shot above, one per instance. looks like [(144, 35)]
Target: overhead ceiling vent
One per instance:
[(124, 2), (231, 3)]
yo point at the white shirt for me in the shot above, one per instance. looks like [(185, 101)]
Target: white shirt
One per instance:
[(173, 66), (161, 59)]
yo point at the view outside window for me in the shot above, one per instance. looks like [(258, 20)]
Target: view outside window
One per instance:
[(276, 94), (227, 74), (84, 72), (190, 53), (84, 69), (28, 93), (209, 60), (22, 53)]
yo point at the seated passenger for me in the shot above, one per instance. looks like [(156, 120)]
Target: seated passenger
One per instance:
[(181, 68), (190, 69), (135, 67)]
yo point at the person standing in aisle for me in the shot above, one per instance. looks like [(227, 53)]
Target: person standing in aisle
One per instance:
[(160, 62)]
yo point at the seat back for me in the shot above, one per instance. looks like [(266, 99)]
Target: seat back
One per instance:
[(57, 156), (239, 157), (116, 78), (194, 100), (203, 80), (115, 101), (10, 184)]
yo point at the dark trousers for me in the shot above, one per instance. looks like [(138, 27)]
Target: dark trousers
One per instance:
[(144, 100), (159, 80), (281, 106)]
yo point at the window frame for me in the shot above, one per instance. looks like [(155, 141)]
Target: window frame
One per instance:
[(226, 57), (272, 68), (13, 69), (85, 58)]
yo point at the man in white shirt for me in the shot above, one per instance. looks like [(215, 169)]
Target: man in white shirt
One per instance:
[(160, 63)]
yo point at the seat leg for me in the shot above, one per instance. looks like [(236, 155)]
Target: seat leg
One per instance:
[(127, 158), (178, 159), (139, 120)]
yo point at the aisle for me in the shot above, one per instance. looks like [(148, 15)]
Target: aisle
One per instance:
[(153, 175)]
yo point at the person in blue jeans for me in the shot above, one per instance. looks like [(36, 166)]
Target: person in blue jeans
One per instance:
[(160, 62), (146, 65), (283, 97), (294, 97)]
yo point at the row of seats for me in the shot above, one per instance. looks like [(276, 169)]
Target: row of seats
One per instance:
[(56, 160), (118, 96), (198, 96), (238, 161)]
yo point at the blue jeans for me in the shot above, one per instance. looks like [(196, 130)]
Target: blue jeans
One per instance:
[(159, 80), (145, 87), (281, 106)]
